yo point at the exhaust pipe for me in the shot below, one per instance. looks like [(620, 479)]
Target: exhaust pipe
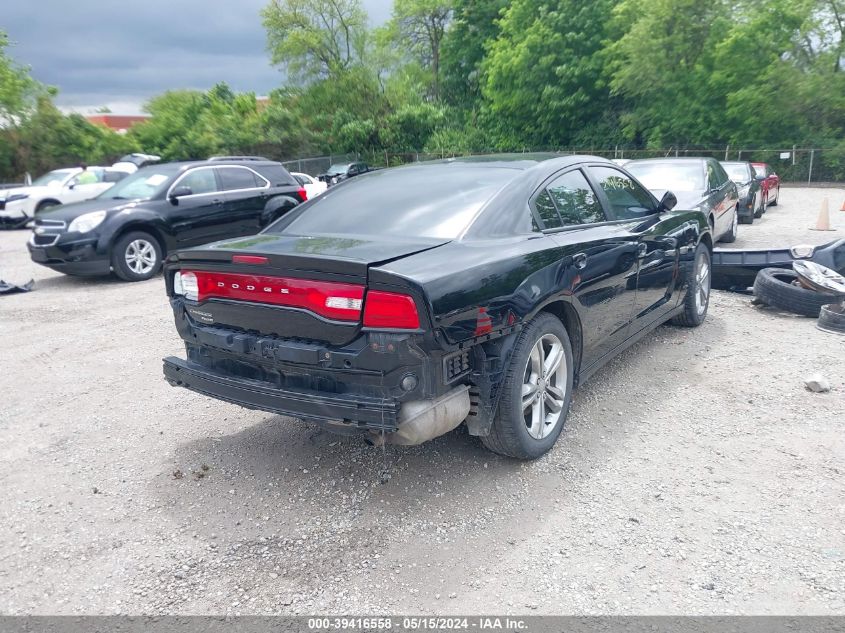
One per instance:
[(423, 420)]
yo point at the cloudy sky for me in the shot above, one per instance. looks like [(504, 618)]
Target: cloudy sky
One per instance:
[(118, 54)]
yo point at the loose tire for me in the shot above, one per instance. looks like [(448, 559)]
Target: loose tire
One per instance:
[(832, 318), (136, 256), (775, 287), (731, 235), (698, 282), (537, 389)]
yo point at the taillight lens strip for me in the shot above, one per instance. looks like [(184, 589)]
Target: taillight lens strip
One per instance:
[(330, 299), (333, 300), (390, 310)]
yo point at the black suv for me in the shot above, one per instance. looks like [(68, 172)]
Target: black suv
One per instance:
[(130, 228)]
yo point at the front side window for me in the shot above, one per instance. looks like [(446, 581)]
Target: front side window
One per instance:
[(628, 200), (233, 178), (721, 175), (199, 181), (88, 177), (567, 201)]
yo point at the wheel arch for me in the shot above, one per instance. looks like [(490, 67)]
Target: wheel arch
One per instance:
[(566, 314), (40, 204), (274, 204), (145, 227)]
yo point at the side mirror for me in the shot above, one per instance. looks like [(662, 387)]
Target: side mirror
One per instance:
[(179, 192), (71, 185), (667, 202)]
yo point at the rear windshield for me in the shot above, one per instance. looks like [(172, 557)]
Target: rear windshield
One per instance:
[(432, 201), (738, 172), (669, 176)]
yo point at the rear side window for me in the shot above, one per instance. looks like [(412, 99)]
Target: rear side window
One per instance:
[(275, 173), (568, 200), (628, 200), (233, 178)]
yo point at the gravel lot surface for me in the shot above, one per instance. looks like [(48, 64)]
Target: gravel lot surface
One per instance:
[(696, 474)]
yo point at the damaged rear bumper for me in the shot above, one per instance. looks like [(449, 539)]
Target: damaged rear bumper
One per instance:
[(366, 412), (735, 269)]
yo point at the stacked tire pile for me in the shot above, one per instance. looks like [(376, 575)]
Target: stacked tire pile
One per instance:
[(808, 289)]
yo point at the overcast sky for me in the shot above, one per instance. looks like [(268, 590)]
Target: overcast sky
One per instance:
[(118, 54)]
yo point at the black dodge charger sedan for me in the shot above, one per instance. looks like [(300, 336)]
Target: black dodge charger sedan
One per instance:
[(130, 228), (470, 290)]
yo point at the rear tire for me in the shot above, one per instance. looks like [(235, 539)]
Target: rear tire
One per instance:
[(774, 287), (774, 202), (136, 256), (537, 389), (698, 282), (730, 236), (758, 213)]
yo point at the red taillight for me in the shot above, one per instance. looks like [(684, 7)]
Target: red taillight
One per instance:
[(330, 299), (303, 195), (249, 259), (390, 310)]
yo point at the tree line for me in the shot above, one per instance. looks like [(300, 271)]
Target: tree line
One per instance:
[(460, 76)]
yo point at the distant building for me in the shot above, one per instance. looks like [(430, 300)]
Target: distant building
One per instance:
[(120, 123)]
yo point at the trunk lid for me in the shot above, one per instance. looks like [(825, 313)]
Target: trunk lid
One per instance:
[(334, 264), (325, 256)]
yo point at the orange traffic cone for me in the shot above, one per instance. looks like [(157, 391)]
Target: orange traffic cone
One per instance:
[(842, 208), (823, 221)]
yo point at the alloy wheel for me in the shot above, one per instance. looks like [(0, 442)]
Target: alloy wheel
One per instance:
[(702, 283), (544, 386), (141, 256)]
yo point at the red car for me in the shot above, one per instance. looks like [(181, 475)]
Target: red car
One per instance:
[(769, 184)]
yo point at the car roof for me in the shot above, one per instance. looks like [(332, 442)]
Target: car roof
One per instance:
[(672, 159), (518, 161), (188, 164)]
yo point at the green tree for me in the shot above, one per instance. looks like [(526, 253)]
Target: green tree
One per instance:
[(662, 66), (544, 73), (474, 27), (313, 39), (18, 90), (421, 26)]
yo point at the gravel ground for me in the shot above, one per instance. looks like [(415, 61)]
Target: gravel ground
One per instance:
[(696, 475)]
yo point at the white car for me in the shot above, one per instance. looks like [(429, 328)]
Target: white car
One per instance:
[(60, 186), (313, 187)]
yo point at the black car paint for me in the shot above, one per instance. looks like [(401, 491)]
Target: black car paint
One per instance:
[(735, 269), (717, 201), (349, 170), (750, 200), (183, 222), (610, 283)]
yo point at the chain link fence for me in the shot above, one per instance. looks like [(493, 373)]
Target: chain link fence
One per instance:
[(792, 164)]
